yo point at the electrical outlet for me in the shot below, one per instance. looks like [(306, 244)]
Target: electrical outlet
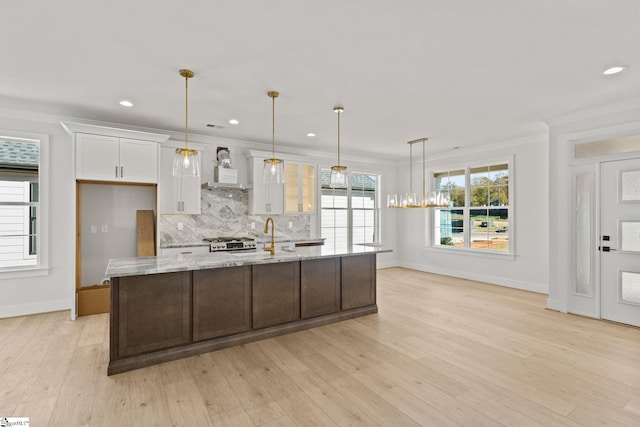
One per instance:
[(290, 224), (253, 225), (180, 226), (94, 229), (105, 228)]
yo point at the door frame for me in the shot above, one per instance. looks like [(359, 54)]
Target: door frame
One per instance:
[(588, 305)]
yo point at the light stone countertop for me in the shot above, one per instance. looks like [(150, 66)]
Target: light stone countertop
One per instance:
[(259, 241), (136, 266)]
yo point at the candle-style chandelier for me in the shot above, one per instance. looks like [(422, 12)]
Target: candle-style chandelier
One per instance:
[(436, 199)]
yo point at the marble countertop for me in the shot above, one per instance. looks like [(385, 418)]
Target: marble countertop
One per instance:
[(258, 240), (135, 266)]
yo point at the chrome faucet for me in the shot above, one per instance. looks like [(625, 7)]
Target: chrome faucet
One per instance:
[(271, 248)]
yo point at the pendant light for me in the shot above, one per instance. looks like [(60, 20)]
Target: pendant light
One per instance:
[(338, 177), (273, 172), (410, 199), (186, 161)]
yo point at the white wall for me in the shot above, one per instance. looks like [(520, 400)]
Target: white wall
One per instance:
[(55, 290), (528, 268)]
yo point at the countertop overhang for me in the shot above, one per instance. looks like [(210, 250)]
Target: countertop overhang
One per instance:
[(136, 266)]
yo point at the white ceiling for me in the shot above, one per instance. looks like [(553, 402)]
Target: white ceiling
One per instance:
[(461, 72)]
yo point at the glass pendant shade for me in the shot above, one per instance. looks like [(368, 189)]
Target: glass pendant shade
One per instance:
[(186, 162), (338, 178), (273, 170)]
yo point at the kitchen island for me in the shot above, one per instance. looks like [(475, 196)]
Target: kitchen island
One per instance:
[(170, 307)]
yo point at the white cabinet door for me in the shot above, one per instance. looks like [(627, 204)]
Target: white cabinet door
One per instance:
[(178, 195), (191, 200), (108, 158), (138, 160), (264, 199), (97, 157)]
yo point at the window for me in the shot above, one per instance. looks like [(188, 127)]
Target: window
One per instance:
[(479, 216), (350, 215), (20, 202)]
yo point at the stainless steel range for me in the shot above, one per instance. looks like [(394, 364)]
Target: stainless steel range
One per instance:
[(228, 244)]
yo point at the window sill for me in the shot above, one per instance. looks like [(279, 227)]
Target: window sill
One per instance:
[(472, 252), (23, 272)]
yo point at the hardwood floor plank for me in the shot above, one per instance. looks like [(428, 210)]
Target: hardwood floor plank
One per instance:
[(214, 388), (304, 412), (186, 406), (417, 409), (441, 351), (147, 397)]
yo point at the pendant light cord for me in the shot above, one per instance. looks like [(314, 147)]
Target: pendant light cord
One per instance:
[(424, 179), (186, 116), (273, 127), (410, 168), (339, 112)]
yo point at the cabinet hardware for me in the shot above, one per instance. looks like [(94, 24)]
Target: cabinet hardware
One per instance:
[(121, 171), (116, 171)]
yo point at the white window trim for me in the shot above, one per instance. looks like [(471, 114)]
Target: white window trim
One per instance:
[(377, 210), (42, 220), (466, 166)]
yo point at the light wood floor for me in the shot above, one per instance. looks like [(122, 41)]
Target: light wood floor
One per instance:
[(441, 352)]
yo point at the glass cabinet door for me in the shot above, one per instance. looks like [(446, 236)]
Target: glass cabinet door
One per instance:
[(300, 183)]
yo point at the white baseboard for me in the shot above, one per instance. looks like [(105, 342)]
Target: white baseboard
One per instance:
[(387, 264), (493, 280), (555, 304), (35, 308)]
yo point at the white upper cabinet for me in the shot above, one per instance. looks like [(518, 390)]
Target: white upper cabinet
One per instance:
[(108, 158), (111, 154), (138, 160), (299, 187), (264, 199), (177, 195)]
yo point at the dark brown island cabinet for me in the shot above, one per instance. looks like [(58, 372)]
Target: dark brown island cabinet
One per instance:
[(157, 318)]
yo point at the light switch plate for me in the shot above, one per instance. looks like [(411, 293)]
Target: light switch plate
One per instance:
[(105, 228)]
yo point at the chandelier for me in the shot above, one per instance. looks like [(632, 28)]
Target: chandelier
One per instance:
[(436, 199)]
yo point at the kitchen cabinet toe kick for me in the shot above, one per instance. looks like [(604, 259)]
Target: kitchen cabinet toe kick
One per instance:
[(157, 318)]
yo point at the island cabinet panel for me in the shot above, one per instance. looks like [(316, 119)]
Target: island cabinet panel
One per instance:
[(319, 287), (276, 293), (153, 312), (221, 302), (358, 281)]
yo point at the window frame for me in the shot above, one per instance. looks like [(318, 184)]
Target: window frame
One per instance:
[(350, 209), (467, 249), (41, 267)]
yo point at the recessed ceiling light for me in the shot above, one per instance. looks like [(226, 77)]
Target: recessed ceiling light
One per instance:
[(234, 121), (311, 134), (614, 70), (126, 103)]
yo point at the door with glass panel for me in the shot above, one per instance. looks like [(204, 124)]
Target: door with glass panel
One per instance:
[(620, 241)]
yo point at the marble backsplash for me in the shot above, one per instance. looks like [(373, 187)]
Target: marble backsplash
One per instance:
[(225, 212)]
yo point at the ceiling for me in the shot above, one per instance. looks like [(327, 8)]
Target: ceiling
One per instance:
[(461, 72)]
